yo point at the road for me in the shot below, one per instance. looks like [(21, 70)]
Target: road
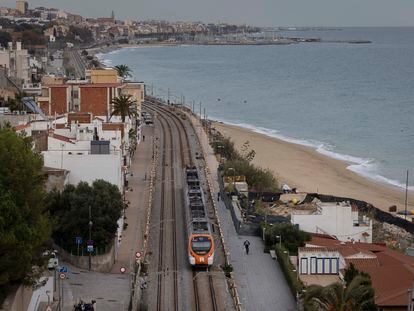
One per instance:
[(76, 61)]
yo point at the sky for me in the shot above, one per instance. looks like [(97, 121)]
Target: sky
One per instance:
[(253, 12)]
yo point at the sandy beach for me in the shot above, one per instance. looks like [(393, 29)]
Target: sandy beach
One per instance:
[(309, 171)]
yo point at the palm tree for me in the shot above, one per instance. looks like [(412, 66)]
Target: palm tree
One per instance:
[(124, 106), (357, 296), (123, 71)]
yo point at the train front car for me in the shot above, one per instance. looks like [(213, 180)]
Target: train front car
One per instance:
[(201, 245), (200, 239)]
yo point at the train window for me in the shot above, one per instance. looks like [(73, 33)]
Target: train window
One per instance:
[(201, 244)]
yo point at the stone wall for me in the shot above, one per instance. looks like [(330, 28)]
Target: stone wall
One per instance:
[(100, 263)]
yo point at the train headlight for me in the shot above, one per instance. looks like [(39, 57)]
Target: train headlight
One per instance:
[(191, 259)]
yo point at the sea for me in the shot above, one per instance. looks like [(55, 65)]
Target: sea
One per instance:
[(352, 102)]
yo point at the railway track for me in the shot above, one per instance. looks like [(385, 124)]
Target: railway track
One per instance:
[(186, 159)]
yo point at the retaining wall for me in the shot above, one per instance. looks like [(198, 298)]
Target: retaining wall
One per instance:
[(100, 263)]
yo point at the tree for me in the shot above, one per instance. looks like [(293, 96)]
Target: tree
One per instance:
[(80, 33), (70, 212), (247, 153), (291, 236), (351, 272), (124, 106), (5, 38), (357, 296), (123, 71), (24, 223), (84, 53)]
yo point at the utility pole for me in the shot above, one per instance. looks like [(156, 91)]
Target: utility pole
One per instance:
[(200, 111), (168, 95), (193, 106)]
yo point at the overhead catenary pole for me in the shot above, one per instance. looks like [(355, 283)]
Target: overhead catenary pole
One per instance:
[(406, 196)]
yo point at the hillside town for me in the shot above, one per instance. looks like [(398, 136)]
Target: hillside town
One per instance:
[(103, 152)]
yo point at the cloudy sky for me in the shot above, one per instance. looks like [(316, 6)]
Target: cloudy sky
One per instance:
[(256, 12)]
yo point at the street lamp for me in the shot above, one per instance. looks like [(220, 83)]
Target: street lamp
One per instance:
[(280, 239)]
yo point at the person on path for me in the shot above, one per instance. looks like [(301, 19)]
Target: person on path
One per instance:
[(218, 197), (143, 137), (246, 246)]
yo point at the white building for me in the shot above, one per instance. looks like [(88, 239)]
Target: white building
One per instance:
[(340, 220), (16, 60), (89, 149)]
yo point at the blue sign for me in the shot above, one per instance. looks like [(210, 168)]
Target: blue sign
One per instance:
[(90, 248), (78, 240), (63, 269)]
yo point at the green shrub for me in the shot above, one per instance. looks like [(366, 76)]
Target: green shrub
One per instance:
[(294, 283), (291, 237)]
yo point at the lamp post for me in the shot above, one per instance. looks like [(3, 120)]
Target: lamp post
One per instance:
[(280, 239), (90, 236)]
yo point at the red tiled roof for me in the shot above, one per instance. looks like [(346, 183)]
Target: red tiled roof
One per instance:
[(317, 249), (21, 127), (362, 263), (79, 117), (61, 137), (60, 125), (114, 127), (392, 273)]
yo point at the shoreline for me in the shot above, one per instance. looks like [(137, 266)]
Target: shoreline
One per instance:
[(308, 170)]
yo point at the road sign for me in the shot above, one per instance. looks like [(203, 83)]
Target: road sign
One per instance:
[(123, 269), (78, 240), (89, 248), (63, 269), (138, 255), (62, 276), (89, 242)]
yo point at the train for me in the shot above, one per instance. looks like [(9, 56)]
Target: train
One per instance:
[(199, 230)]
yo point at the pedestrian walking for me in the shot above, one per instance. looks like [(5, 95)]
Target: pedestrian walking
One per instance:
[(143, 137), (145, 176), (246, 246), (218, 196)]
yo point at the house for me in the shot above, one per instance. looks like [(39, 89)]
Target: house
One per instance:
[(341, 220), (324, 259), (93, 95), (89, 148)]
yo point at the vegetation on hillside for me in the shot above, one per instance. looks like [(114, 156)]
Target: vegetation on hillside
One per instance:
[(24, 222), (239, 162)]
